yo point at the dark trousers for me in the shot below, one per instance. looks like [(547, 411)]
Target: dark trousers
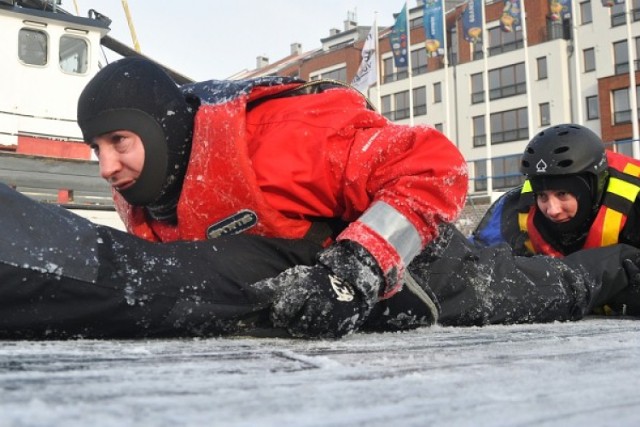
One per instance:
[(62, 276)]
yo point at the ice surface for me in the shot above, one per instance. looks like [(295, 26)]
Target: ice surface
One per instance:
[(564, 374)]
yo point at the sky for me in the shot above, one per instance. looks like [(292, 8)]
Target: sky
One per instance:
[(211, 39)]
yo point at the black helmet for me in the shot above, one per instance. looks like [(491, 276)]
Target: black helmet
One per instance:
[(136, 94), (567, 149)]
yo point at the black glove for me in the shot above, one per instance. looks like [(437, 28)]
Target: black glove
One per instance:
[(331, 298), (633, 272), (627, 301)]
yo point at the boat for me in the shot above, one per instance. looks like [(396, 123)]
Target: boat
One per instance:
[(48, 57)]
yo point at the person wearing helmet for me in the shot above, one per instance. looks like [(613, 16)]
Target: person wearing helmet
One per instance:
[(576, 195)]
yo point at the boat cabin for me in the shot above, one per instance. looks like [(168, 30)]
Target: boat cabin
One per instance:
[(47, 58)]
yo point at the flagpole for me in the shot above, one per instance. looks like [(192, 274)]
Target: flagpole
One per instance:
[(409, 69), (576, 62), (447, 117), (633, 98), (525, 37), (377, 62), (487, 113)]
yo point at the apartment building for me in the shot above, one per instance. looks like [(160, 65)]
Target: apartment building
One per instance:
[(561, 69)]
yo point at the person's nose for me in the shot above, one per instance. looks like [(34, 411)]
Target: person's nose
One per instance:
[(109, 163), (554, 207)]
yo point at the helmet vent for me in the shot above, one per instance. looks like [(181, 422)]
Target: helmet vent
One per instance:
[(565, 163), (561, 150)]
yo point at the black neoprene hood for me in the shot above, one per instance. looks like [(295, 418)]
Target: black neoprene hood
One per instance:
[(135, 94)]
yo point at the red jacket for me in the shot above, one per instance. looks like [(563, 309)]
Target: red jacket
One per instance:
[(271, 169)]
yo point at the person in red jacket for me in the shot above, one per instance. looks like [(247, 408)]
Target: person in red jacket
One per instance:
[(274, 157)]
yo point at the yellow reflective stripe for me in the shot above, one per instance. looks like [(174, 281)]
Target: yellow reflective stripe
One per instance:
[(623, 189), (522, 220), (632, 169), (611, 227), (526, 187), (529, 246)]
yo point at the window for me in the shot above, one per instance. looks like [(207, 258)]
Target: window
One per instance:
[(585, 12), (506, 172), (618, 15), (402, 105), (479, 131), (74, 53), (621, 106), (389, 74), (480, 175), (385, 107), (437, 92), (593, 110), (340, 75), (477, 51), (589, 59), (32, 46), (420, 100), (545, 114), (500, 41), (542, 68), (387, 67), (621, 57), (477, 88), (509, 126), (419, 61), (507, 81)]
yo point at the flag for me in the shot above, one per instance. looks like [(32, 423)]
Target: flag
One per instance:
[(368, 71), (511, 19), (433, 27), (472, 21), (559, 10), (611, 3), (399, 39)]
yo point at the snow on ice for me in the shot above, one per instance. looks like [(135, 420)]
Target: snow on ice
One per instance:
[(584, 373)]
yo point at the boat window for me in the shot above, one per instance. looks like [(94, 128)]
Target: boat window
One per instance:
[(74, 53), (32, 46)]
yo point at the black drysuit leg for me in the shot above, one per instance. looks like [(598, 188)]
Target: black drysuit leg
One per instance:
[(62, 276), (473, 285)]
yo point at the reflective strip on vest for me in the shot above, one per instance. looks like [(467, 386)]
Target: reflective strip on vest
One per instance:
[(395, 228), (632, 169), (623, 189), (611, 227)]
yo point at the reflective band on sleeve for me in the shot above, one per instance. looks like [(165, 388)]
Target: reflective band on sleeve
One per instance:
[(395, 228)]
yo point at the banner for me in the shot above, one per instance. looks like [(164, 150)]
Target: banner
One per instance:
[(611, 3), (433, 15), (511, 19), (472, 21), (368, 71), (399, 39), (559, 10)]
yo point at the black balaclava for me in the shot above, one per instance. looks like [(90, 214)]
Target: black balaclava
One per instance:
[(571, 234), (135, 94)]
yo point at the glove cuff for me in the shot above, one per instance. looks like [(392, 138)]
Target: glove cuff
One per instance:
[(390, 238)]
